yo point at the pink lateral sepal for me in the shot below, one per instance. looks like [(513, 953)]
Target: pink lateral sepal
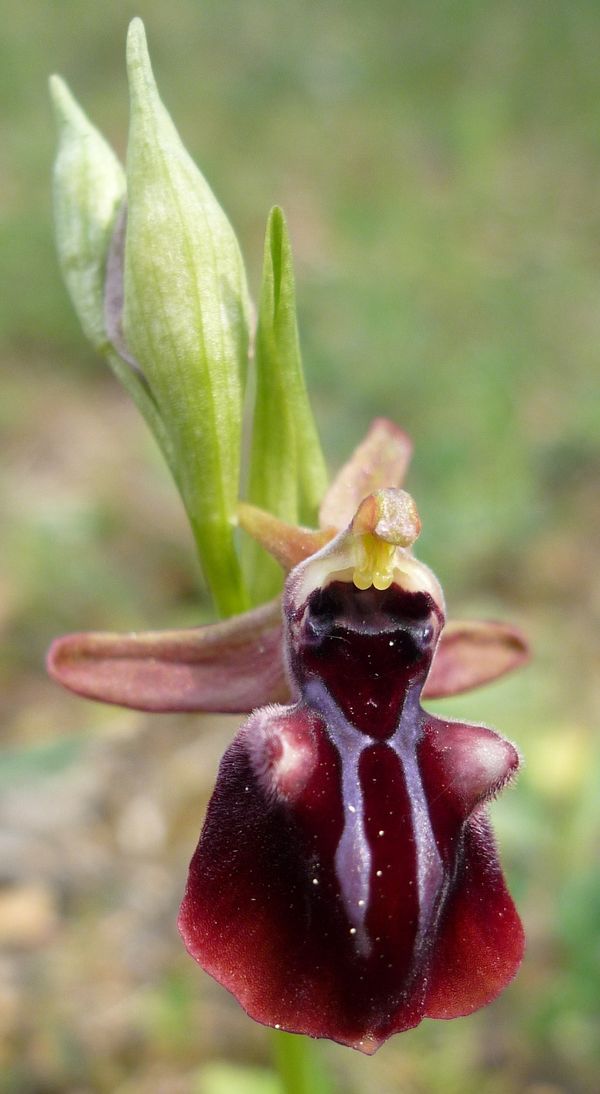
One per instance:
[(473, 653), (230, 667)]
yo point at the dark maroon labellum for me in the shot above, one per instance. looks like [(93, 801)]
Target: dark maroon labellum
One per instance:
[(346, 883)]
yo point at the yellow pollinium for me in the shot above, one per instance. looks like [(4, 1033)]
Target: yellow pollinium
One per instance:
[(374, 562)]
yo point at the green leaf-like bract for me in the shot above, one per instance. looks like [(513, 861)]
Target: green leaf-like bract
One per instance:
[(287, 470)]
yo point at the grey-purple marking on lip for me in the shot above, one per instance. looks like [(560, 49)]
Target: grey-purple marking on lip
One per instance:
[(353, 857)]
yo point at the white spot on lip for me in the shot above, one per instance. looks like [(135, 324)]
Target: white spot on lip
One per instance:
[(381, 832), (315, 881), (353, 930), (361, 903), (379, 873)]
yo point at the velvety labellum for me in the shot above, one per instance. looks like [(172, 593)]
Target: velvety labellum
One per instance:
[(346, 883)]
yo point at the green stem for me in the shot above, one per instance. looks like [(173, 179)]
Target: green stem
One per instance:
[(298, 1064)]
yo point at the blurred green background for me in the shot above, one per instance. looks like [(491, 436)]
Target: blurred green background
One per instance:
[(439, 164)]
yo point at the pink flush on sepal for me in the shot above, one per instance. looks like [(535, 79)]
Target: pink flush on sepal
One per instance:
[(346, 883)]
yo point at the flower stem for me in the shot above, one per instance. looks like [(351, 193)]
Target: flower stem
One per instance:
[(298, 1064)]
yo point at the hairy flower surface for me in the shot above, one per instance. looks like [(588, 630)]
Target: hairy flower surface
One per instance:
[(346, 883)]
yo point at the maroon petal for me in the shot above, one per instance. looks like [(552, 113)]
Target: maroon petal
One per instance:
[(230, 667), (470, 654), (381, 460)]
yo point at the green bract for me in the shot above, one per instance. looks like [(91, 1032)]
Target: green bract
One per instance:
[(157, 278), (287, 470)]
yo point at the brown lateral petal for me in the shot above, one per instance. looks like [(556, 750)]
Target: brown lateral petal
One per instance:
[(289, 544), (229, 667), (381, 460), (470, 654)]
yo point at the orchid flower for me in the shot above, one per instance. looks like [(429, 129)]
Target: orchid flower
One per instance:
[(346, 882)]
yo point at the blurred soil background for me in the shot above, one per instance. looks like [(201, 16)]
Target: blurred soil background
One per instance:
[(439, 164)]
